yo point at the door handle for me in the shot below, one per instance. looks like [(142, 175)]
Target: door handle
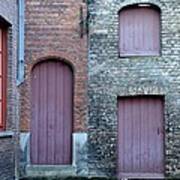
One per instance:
[(158, 131)]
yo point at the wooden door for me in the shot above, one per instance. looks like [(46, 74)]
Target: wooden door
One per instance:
[(140, 137), (51, 124)]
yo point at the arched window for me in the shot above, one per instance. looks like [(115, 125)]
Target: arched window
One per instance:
[(139, 31), (3, 67)]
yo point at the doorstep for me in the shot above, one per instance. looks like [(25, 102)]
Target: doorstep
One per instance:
[(67, 178), (50, 170)]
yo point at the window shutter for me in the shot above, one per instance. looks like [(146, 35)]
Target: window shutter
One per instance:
[(3, 49), (139, 31), (1, 69)]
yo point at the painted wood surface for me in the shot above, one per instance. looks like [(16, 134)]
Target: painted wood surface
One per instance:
[(139, 29), (3, 76), (140, 136), (51, 124)]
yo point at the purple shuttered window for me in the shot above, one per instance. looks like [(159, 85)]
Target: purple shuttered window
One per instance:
[(139, 31)]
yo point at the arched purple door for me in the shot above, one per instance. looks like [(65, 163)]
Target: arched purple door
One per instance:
[(52, 104)]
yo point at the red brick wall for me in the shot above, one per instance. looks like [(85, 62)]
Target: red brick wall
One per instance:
[(53, 30), (9, 13)]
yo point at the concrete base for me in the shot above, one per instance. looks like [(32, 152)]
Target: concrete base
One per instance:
[(79, 162), (80, 158), (49, 171), (67, 178)]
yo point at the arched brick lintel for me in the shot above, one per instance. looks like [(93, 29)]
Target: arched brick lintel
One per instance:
[(70, 60), (122, 5), (56, 56)]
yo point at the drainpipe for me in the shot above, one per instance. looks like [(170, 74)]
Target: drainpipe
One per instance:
[(19, 79), (20, 70)]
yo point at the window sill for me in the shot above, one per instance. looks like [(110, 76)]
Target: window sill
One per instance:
[(139, 55), (6, 134)]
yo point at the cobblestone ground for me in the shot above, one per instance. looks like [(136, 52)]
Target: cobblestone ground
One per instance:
[(84, 178), (68, 178)]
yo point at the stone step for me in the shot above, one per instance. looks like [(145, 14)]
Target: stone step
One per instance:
[(54, 178), (66, 178), (49, 171)]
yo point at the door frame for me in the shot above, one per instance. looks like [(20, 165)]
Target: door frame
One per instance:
[(143, 175), (69, 166)]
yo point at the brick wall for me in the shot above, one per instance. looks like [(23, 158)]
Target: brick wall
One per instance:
[(8, 11), (111, 76), (7, 159), (52, 30)]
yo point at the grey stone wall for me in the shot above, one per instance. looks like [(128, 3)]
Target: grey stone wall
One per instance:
[(7, 170), (79, 165), (8, 11), (111, 76)]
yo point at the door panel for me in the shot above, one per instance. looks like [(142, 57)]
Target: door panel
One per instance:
[(51, 124), (139, 31), (140, 136)]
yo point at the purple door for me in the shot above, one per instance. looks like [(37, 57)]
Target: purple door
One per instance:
[(140, 137), (51, 124)]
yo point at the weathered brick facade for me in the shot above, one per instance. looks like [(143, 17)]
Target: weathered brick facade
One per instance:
[(9, 14), (7, 155), (111, 76), (55, 30)]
